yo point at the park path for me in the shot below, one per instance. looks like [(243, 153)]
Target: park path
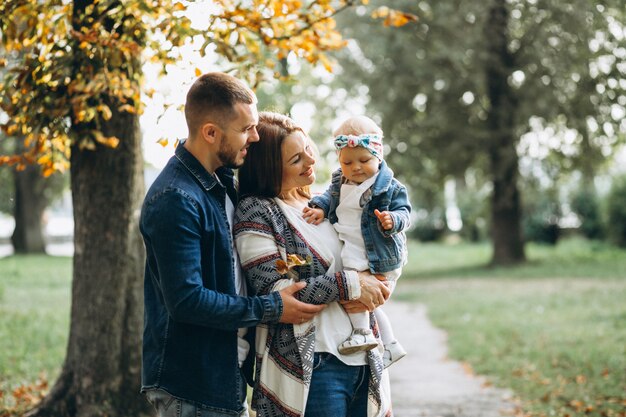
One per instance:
[(425, 383)]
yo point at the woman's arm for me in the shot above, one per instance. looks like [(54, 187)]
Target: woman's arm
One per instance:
[(258, 254)]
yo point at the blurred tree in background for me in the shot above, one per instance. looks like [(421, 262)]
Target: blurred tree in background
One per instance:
[(478, 84), (616, 202)]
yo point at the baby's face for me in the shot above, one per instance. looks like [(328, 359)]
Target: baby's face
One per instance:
[(358, 164)]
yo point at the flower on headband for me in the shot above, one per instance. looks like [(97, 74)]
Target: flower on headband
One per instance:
[(353, 141), (373, 143)]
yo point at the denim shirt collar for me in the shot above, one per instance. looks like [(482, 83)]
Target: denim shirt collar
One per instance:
[(205, 178), (383, 181)]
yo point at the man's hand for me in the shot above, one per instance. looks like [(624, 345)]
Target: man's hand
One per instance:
[(313, 215), (354, 306), (385, 219), (294, 310), (374, 291)]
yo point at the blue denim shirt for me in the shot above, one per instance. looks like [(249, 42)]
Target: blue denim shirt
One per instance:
[(386, 249), (192, 312)]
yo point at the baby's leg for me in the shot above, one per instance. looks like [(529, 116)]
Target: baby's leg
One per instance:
[(384, 325), (360, 320), (361, 338), (393, 349)]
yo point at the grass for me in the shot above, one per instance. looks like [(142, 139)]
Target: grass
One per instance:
[(34, 320), (553, 330)]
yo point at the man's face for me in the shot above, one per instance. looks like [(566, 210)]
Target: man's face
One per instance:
[(237, 135)]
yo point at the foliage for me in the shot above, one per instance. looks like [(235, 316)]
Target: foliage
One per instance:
[(586, 205), (473, 200), (428, 85), (542, 211), (616, 202), (428, 226), (71, 61)]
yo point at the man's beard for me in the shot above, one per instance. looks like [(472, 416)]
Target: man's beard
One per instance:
[(227, 155)]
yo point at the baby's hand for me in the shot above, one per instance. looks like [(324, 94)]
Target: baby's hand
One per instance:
[(313, 215), (385, 219)]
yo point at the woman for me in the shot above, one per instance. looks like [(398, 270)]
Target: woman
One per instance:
[(299, 370)]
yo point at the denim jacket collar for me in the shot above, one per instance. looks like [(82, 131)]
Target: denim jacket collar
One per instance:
[(206, 180), (383, 181), (381, 185)]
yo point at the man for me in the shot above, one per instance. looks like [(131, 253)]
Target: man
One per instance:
[(195, 303)]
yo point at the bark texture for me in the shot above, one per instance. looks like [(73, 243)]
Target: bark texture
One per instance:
[(30, 203), (506, 211), (101, 373)]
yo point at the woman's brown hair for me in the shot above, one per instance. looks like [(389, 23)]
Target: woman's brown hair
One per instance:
[(262, 172)]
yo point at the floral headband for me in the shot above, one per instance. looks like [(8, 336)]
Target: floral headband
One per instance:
[(373, 143)]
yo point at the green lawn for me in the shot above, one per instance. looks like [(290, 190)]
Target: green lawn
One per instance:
[(553, 330), (34, 321)]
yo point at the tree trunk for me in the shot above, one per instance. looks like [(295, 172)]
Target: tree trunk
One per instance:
[(506, 212), (101, 373), (30, 203)]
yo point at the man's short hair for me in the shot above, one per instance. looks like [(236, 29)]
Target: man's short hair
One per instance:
[(212, 98)]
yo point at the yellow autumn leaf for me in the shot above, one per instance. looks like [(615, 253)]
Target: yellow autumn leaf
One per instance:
[(127, 108), (326, 63), (163, 142), (295, 260), (281, 267), (382, 11), (44, 159), (397, 19), (11, 130), (48, 170), (111, 142), (106, 111), (198, 72)]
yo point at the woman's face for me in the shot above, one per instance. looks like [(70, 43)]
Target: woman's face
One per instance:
[(298, 162)]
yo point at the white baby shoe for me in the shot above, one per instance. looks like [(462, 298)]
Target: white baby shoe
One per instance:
[(360, 340), (393, 352)]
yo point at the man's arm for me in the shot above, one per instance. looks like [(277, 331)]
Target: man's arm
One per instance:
[(173, 244)]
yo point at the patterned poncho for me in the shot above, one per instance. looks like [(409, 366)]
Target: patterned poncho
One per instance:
[(284, 352)]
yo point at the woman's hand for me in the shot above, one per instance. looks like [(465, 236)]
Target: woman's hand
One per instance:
[(374, 291)]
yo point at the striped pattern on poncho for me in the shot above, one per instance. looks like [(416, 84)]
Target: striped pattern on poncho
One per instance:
[(284, 352)]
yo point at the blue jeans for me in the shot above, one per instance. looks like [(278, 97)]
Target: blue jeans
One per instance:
[(168, 406), (337, 389)]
